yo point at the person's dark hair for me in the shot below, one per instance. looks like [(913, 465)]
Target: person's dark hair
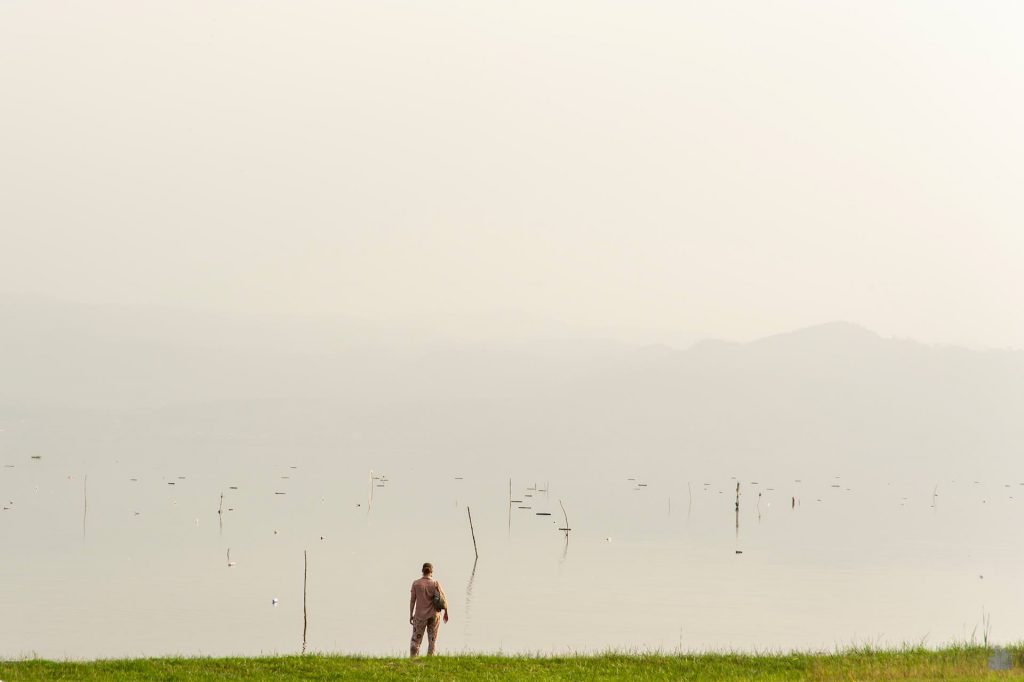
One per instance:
[(428, 568)]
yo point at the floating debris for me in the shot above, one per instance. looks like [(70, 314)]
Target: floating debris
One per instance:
[(37, 456), (543, 513), (279, 493)]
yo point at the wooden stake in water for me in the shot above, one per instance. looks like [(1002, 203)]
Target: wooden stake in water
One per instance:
[(472, 532), (305, 573), (737, 510)]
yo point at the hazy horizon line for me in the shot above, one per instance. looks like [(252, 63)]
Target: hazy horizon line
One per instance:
[(434, 324)]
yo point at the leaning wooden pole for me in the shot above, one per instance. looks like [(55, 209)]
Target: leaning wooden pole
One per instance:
[(566, 517), (472, 532), (305, 574)]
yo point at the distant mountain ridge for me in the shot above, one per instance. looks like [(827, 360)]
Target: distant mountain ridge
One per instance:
[(835, 391)]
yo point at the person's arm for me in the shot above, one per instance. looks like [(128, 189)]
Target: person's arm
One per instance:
[(445, 596), (412, 603)]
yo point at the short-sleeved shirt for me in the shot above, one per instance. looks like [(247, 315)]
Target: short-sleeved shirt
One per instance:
[(423, 592)]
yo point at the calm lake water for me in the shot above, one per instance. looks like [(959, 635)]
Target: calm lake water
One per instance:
[(143, 570)]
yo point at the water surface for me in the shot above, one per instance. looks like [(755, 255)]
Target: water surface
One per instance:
[(143, 568)]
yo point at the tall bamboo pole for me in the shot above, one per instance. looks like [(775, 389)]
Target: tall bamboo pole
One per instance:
[(305, 574), (472, 532)]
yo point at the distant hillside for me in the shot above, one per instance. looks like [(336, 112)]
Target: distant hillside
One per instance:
[(830, 393)]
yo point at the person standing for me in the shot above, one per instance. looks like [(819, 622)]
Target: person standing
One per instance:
[(426, 601)]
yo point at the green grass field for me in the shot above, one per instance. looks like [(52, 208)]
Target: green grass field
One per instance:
[(954, 663)]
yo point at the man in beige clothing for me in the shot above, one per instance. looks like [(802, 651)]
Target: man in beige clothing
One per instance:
[(422, 614)]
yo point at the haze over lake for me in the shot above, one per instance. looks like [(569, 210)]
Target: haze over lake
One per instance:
[(880, 487), (312, 280)]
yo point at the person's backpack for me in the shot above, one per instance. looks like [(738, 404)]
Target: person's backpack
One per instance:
[(437, 599)]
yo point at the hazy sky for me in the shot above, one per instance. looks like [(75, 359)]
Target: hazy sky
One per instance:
[(736, 168)]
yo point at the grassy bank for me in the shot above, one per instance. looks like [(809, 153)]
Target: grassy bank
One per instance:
[(955, 663)]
